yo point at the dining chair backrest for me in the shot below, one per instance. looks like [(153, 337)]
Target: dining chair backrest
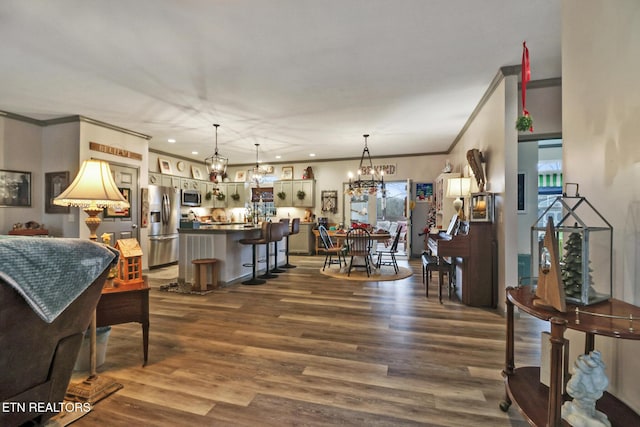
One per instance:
[(394, 245), (326, 239), (359, 242)]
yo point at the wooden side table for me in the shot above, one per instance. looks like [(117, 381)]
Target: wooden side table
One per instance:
[(123, 305)]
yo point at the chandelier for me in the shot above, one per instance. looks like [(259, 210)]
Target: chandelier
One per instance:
[(257, 173), (216, 164), (368, 178)]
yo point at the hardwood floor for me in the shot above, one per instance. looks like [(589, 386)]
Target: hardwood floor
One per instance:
[(308, 350)]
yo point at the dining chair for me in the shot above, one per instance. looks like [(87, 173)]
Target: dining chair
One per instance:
[(359, 244), (390, 254), (330, 249)]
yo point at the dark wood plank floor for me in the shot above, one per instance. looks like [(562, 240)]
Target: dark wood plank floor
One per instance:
[(308, 350)]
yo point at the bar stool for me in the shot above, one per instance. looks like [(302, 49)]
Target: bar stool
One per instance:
[(284, 228), (295, 229), (275, 235), (254, 242), (201, 266)]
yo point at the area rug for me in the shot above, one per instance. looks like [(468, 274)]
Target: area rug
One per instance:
[(185, 289), (385, 273)]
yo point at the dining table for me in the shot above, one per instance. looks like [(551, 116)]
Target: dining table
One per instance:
[(338, 237)]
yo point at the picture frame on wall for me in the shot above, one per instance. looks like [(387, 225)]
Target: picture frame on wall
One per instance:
[(119, 212), (241, 176), (15, 188), (54, 184), (287, 173), (522, 183), (165, 166), (196, 172)]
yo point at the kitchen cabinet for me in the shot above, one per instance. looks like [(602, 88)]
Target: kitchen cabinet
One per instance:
[(444, 206), (289, 189), (303, 243), (239, 189), (541, 405), (214, 202), (306, 186), (283, 194)]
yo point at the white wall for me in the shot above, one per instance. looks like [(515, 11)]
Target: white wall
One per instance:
[(60, 154), (601, 106), (21, 150), (492, 131)]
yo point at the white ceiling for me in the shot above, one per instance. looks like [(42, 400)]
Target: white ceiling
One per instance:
[(295, 76)]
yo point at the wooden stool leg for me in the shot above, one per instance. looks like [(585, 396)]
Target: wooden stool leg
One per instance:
[(202, 277)]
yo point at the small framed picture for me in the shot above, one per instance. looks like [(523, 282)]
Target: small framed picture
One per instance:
[(119, 212), (287, 172), (165, 166), (55, 183), (241, 176), (196, 172)]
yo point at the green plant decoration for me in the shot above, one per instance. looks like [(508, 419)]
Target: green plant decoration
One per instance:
[(571, 268), (524, 123), (301, 194), (235, 196), (220, 196), (282, 195), (209, 195)]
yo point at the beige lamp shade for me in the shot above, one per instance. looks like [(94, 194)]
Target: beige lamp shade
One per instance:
[(458, 187), (93, 187)]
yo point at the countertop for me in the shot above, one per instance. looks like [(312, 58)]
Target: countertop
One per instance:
[(219, 228)]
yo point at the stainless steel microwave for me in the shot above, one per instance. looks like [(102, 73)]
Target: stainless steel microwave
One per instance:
[(191, 198)]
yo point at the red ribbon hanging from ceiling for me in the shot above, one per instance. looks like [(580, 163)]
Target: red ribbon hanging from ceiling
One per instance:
[(526, 76)]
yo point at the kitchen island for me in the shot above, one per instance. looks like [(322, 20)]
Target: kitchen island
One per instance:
[(220, 242)]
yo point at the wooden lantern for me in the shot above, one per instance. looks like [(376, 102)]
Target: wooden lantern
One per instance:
[(129, 263)]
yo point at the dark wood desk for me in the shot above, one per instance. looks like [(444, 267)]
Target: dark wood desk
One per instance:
[(124, 305)]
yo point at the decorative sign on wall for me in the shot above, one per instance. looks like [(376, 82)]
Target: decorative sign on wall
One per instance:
[(121, 152), (389, 170)]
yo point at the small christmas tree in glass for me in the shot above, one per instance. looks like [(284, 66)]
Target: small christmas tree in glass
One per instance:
[(571, 268)]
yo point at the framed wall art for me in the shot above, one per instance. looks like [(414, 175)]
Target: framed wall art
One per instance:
[(287, 172), (15, 188), (522, 182), (120, 212), (196, 172), (165, 166), (330, 201), (241, 176), (54, 184)]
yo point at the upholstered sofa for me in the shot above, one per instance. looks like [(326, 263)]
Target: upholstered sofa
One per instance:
[(49, 289)]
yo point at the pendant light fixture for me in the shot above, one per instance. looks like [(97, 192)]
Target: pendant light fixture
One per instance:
[(257, 173), (216, 164), (368, 178)]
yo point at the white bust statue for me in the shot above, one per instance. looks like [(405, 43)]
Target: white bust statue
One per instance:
[(586, 385)]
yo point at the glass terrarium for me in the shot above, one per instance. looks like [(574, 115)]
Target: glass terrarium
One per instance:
[(585, 241)]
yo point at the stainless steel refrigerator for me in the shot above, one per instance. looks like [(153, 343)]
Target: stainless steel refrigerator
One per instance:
[(164, 220)]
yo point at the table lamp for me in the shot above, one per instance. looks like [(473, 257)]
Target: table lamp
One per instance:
[(93, 189), (457, 188)]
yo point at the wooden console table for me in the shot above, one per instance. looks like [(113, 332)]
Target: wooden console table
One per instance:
[(541, 405), (123, 305)]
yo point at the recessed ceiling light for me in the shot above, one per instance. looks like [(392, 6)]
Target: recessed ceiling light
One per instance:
[(171, 141), (312, 154), (194, 152), (278, 156)]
